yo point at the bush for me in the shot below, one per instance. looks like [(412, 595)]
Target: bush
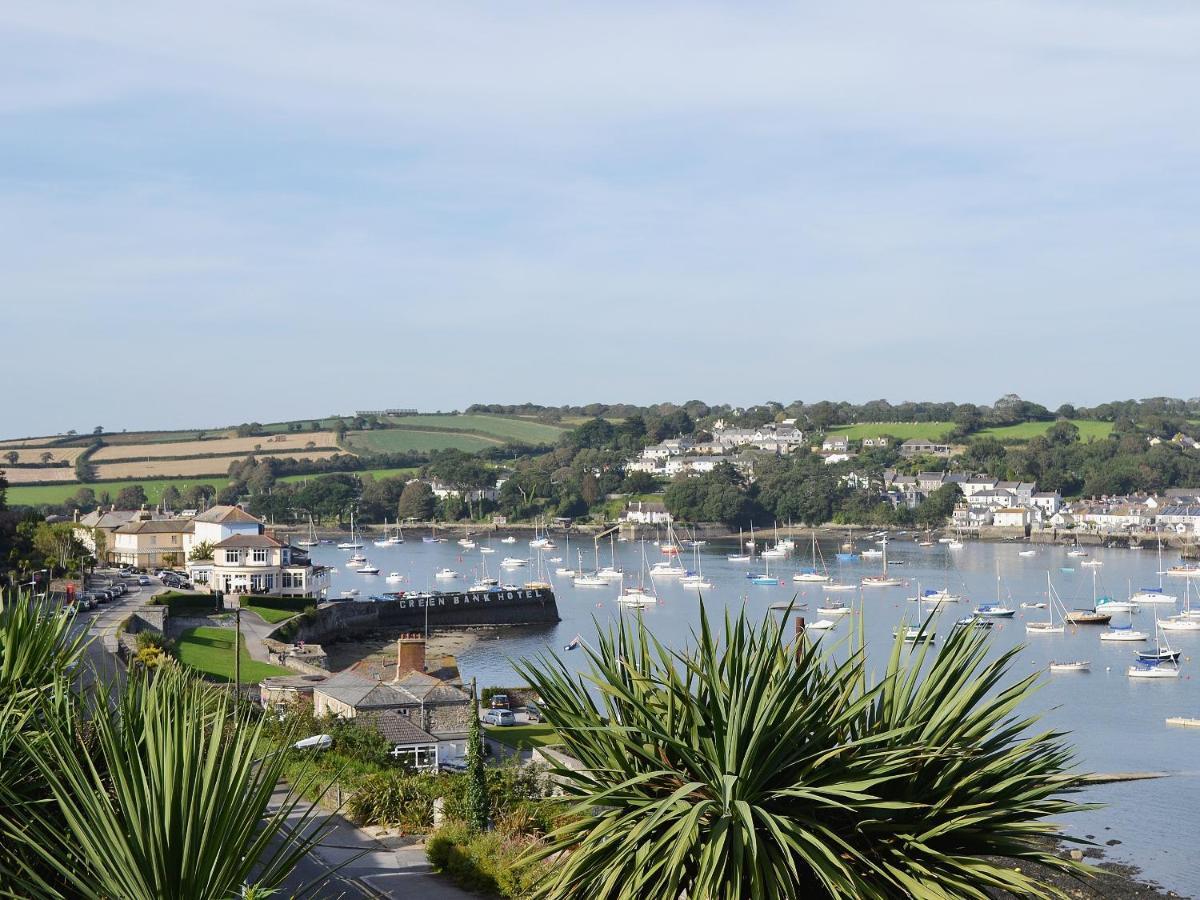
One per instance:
[(489, 863), (396, 799)]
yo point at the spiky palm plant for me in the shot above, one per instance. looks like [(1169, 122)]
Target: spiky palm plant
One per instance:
[(750, 768), (169, 798), (40, 647)]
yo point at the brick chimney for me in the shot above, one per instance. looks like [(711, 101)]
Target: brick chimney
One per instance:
[(410, 654)]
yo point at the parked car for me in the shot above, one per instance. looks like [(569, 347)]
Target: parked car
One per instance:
[(125, 573), (100, 595), (500, 701), (144, 580), (120, 589), (533, 712), (83, 602), (499, 717)]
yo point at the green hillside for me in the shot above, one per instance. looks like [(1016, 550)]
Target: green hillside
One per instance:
[(929, 431), (1089, 429)]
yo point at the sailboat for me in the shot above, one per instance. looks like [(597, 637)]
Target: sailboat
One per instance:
[(995, 610), (1151, 594), (847, 554), (1158, 654), (669, 567), (764, 577), (810, 573), (1049, 626), (611, 572), (696, 580), (354, 543), (740, 557), (916, 633), (1095, 616), (637, 596), (384, 541), (1187, 620), (588, 579), (883, 579), (567, 570), (311, 540), (777, 550), (1160, 665), (957, 543)]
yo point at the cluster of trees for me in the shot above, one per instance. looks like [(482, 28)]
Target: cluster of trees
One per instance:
[(1124, 463), (800, 489)]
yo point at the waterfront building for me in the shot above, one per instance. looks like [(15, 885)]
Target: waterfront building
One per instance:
[(146, 543), (646, 512)]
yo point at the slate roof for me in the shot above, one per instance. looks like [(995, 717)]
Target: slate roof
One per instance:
[(223, 514), (238, 541), (156, 526), (395, 728)]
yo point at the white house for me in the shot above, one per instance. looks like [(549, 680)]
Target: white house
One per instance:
[(692, 465), (1014, 517), (1049, 502), (977, 483), (646, 512), (1181, 519), (835, 443)]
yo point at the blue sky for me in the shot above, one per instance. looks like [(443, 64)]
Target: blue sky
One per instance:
[(235, 211)]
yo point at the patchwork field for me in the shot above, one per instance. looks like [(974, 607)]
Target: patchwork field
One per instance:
[(1089, 430), (25, 442), (929, 431), (181, 468), (34, 495), (396, 440), (34, 455), (278, 443), (503, 428), (30, 476)]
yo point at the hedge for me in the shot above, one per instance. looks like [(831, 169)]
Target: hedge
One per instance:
[(184, 603)]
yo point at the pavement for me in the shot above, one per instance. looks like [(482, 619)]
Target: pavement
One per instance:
[(369, 867)]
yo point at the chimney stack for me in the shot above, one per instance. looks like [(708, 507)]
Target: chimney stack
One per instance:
[(410, 654)]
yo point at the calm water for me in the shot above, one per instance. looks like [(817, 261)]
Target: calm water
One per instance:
[(1116, 723)]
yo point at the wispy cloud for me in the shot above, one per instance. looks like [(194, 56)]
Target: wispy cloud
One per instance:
[(607, 200)]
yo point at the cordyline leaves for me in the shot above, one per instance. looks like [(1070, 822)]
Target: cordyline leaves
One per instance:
[(168, 797), (742, 769)]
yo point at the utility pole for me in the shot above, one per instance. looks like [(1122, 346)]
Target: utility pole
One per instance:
[(237, 652)]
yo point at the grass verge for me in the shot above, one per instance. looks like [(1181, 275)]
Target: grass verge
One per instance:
[(210, 652), (522, 737)]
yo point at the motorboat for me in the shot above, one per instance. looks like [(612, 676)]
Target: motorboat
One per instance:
[(1076, 553), (1038, 605), (955, 544), (973, 622), (1027, 553), (1092, 563), (1153, 595), (394, 577), (834, 586), (1078, 665), (821, 625), (487, 549), (367, 569), (356, 560), (1088, 617), (589, 580), (1184, 570), (1124, 633), (834, 609), (871, 553), (513, 562), (508, 540), (445, 573)]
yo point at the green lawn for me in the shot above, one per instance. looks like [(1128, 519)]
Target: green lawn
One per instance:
[(397, 440), (504, 428), (1089, 430), (34, 494), (929, 431), (210, 651), (269, 615), (377, 474), (523, 737)]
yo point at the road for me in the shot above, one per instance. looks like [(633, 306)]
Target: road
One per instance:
[(102, 666)]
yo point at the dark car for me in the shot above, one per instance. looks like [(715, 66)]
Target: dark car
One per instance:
[(499, 701), (100, 595), (533, 712)]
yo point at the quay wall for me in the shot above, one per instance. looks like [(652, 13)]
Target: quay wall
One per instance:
[(449, 610)]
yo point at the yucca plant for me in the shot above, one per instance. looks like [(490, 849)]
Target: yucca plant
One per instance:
[(39, 650), (169, 799), (753, 768)]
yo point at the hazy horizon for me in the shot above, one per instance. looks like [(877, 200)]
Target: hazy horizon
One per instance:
[(241, 212)]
